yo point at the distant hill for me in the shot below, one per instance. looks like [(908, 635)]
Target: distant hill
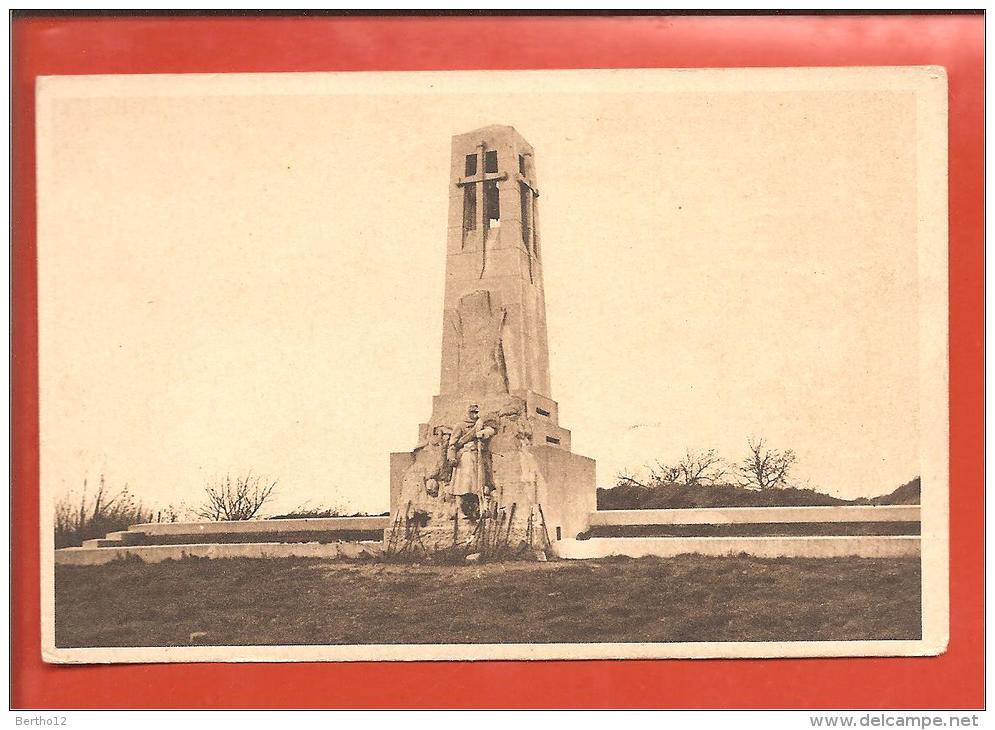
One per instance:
[(908, 493), (681, 496)]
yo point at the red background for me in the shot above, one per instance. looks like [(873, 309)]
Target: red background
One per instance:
[(218, 44)]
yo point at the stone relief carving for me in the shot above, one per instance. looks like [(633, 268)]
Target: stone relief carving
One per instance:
[(439, 470), (457, 473), (513, 420), (455, 464), (480, 357)]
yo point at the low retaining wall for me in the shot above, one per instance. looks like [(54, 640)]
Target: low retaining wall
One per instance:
[(741, 515), (315, 524), (158, 553), (116, 539), (753, 529), (222, 539), (874, 546)]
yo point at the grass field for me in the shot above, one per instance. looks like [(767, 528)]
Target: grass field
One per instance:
[(310, 601)]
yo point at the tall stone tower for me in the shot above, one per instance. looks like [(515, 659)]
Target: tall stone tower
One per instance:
[(494, 441)]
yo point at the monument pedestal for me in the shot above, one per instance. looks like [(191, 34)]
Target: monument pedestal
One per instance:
[(536, 492)]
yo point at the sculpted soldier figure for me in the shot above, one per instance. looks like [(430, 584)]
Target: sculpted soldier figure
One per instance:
[(441, 471), (468, 455)]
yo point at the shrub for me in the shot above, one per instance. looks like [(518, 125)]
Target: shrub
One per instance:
[(304, 513), (307, 511), (682, 496)]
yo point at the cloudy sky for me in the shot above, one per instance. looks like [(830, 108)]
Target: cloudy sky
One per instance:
[(248, 274)]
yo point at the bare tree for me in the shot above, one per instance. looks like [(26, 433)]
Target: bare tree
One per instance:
[(627, 478), (235, 499), (664, 474), (765, 468), (694, 469)]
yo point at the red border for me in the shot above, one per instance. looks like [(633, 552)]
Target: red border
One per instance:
[(217, 44)]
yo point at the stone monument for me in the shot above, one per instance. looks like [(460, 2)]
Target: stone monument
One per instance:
[(493, 450)]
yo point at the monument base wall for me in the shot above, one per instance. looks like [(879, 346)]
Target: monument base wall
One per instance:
[(400, 462), (567, 490), (544, 493)]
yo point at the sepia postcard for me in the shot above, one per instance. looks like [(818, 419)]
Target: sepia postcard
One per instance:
[(589, 364)]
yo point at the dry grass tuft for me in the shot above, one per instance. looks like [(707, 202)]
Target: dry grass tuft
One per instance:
[(84, 516)]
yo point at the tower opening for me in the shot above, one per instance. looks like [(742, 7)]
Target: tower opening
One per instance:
[(492, 203), (469, 207), (525, 195), (470, 167), (490, 161), (534, 207)]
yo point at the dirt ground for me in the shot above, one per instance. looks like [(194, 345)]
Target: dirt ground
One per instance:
[(311, 601)]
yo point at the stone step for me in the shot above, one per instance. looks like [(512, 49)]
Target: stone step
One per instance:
[(318, 530), (127, 537), (307, 524), (291, 536)]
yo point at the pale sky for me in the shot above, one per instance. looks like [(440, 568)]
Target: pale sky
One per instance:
[(236, 281)]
